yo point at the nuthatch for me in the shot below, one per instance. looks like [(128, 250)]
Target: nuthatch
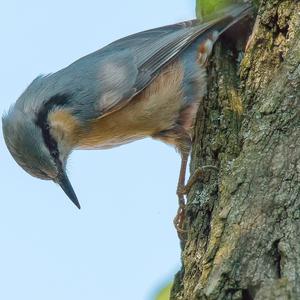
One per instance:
[(145, 85)]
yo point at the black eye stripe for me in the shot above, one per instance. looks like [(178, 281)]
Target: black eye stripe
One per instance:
[(50, 142), (42, 121)]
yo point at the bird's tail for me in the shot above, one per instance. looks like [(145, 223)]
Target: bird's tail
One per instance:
[(236, 14), (225, 18)]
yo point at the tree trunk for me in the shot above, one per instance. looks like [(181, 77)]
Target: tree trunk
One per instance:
[(243, 221)]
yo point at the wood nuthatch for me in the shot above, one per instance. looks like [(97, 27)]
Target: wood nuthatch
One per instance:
[(145, 85)]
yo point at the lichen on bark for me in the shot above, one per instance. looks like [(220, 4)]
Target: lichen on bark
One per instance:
[(244, 220)]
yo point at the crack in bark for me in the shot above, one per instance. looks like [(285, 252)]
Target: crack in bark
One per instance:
[(277, 258), (246, 295)]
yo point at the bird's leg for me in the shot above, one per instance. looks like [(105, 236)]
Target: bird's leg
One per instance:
[(179, 138), (183, 189), (180, 216)]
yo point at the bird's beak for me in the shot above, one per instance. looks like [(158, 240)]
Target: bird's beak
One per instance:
[(65, 184)]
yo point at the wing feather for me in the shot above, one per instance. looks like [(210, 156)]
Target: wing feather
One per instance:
[(129, 65)]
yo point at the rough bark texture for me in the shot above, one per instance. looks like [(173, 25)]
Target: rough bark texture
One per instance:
[(243, 221)]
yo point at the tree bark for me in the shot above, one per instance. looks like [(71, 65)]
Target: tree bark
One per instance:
[(243, 221)]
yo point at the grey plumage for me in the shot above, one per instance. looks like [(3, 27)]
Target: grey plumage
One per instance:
[(34, 157)]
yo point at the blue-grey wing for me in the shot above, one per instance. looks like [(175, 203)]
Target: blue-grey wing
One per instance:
[(130, 64), (125, 67)]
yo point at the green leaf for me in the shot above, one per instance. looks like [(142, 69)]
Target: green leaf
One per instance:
[(207, 7)]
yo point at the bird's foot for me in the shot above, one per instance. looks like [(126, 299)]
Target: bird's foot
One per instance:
[(179, 220)]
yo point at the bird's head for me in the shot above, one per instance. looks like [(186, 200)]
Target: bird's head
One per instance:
[(36, 145)]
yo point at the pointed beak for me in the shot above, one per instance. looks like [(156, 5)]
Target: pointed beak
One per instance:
[(65, 184)]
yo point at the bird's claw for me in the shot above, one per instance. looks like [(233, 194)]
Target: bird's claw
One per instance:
[(179, 222), (182, 190)]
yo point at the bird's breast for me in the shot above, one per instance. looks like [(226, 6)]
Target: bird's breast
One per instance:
[(155, 109)]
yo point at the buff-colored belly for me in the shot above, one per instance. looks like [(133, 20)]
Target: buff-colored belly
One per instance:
[(155, 109)]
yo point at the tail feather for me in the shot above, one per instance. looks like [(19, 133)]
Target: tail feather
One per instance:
[(235, 14)]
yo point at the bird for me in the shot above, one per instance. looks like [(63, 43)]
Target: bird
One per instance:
[(149, 84)]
